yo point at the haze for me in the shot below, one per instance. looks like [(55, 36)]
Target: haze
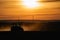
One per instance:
[(14, 10)]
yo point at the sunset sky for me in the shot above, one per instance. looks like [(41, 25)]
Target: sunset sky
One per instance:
[(15, 10)]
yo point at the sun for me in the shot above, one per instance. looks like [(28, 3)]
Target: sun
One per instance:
[(30, 3)]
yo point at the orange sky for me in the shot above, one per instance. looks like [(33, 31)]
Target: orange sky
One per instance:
[(12, 10)]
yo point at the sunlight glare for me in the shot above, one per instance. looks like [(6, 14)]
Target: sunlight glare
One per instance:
[(30, 3)]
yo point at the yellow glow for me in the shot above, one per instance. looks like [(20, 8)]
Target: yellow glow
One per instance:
[(30, 3)]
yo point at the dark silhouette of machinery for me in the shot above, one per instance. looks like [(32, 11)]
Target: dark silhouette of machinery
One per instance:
[(16, 28)]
